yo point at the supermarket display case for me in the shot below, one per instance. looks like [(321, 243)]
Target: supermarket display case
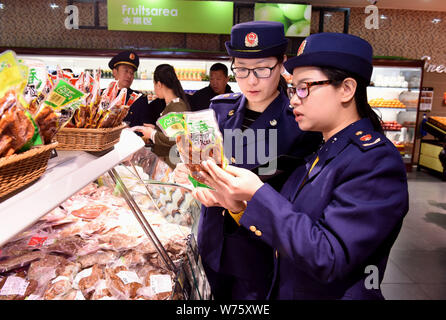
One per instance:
[(94, 217), (433, 151), (394, 94), (192, 73)]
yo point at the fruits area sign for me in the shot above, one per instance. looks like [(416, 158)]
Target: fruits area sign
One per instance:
[(170, 16), (295, 17)]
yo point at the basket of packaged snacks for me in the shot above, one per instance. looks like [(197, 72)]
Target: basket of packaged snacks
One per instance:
[(19, 170), (31, 114), (98, 121), (88, 139)]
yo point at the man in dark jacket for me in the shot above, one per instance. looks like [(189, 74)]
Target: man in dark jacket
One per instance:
[(218, 85)]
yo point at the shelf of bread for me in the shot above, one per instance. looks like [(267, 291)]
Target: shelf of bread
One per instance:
[(386, 103)]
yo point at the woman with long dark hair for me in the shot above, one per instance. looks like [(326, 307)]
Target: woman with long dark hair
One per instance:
[(167, 87), (336, 218)]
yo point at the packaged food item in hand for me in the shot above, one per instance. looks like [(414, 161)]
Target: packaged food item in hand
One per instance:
[(198, 139)]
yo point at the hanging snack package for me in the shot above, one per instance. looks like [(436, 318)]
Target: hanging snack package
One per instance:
[(198, 139), (37, 78), (57, 109)]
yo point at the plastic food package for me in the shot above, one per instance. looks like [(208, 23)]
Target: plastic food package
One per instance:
[(198, 139), (57, 109)]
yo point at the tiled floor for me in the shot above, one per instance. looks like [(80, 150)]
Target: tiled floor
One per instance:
[(417, 264)]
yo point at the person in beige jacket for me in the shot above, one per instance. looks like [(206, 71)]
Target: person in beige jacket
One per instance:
[(167, 87)]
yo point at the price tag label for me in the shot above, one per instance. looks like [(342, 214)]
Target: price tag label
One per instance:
[(128, 277), (14, 286), (161, 283)]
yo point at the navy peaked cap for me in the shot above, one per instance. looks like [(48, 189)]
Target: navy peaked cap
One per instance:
[(257, 39), (338, 50), (126, 57)]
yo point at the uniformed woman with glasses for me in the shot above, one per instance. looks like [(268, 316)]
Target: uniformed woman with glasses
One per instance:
[(335, 220), (258, 127)]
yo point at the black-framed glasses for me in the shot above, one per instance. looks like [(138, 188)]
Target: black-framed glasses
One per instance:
[(303, 89), (263, 72)]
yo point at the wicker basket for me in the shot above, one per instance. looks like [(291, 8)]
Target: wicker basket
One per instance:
[(19, 170), (88, 139)]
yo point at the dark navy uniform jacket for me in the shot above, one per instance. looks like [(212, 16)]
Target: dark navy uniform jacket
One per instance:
[(225, 247), (343, 217), (142, 111)]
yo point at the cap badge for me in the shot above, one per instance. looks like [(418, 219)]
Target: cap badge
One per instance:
[(367, 137), (301, 47), (251, 40), (132, 56), (358, 133)]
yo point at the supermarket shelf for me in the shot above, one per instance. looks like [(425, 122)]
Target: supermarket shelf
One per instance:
[(390, 108), (66, 174), (147, 85), (397, 88)]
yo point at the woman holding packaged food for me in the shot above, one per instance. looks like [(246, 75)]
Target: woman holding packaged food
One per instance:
[(167, 87), (238, 264), (336, 218)]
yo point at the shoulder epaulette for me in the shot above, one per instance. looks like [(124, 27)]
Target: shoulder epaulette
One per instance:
[(226, 97), (367, 140)]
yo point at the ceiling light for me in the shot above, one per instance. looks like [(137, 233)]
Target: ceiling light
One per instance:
[(328, 15), (383, 17), (436, 20), (54, 6)]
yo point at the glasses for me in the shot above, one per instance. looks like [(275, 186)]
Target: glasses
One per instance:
[(263, 72), (303, 89)]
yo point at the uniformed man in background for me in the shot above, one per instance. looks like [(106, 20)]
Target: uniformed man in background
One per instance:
[(124, 65), (218, 84)]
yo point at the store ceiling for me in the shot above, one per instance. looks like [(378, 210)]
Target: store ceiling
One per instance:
[(429, 5)]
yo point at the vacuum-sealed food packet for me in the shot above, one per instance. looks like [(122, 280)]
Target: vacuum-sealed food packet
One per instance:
[(57, 109), (198, 139), (110, 116), (18, 131)]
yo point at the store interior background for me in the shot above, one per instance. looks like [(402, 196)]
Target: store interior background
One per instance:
[(406, 29)]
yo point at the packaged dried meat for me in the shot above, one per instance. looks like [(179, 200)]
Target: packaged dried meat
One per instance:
[(122, 282), (198, 138), (57, 109), (111, 115)]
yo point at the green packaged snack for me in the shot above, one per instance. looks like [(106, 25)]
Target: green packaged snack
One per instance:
[(57, 109), (198, 138)]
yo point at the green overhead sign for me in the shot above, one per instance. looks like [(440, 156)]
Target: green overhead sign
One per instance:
[(170, 16)]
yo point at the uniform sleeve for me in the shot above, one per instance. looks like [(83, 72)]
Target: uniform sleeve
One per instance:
[(368, 204)]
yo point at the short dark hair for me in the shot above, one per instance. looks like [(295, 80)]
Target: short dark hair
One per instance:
[(220, 66)]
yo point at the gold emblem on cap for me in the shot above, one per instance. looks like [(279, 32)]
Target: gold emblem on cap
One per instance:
[(273, 122), (231, 113), (301, 47), (358, 133), (251, 40), (132, 56)]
